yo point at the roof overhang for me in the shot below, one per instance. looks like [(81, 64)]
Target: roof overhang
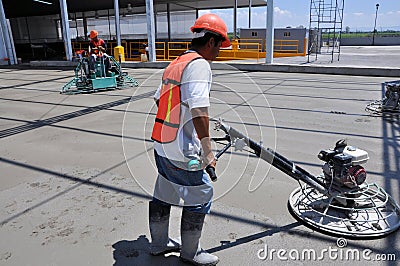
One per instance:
[(27, 8)]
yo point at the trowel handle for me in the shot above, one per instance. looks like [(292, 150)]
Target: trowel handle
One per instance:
[(211, 173), (210, 169)]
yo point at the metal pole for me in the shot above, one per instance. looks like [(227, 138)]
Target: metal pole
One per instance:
[(250, 14), (109, 25), (6, 35), (373, 34), (65, 29), (235, 20), (169, 22), (269, 56), (29, 33), (14, 54), (85, 31), (76, 27), (151, 30), (117, 23), (155, 21), (3, 47)]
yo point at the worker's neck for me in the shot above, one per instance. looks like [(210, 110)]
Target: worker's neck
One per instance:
[(203, 52)]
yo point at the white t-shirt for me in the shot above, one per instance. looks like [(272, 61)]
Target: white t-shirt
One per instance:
[(195, 92)]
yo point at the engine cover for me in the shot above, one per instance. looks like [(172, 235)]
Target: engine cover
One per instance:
[(358, 156)]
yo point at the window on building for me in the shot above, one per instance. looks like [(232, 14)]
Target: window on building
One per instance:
[(254, 34), (286, 34)]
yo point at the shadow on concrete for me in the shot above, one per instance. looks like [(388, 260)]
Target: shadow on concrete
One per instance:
[(33, 83), (292, 109), (137, 252), (79, 182), (60, 118), (84, 130), (306, 130), (247, 239), (391, 165)]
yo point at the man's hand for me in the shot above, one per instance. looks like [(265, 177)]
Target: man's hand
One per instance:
[(101, 48), (208, 155), (201, 124), (213, 163)]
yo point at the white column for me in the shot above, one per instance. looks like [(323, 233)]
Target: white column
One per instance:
[(65, 29), (117, 24), (6, 38), (151, 30), (269, 57)]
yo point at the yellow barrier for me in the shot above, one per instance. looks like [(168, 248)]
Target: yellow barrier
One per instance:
[(260, 41), (161, 53), (241, 49), (77, 46), (136, 49), (84, 45), (286, 46), (177, 48), (112, 44), (244, 50)]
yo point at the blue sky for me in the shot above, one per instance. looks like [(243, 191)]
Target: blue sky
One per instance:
[(358, 14)]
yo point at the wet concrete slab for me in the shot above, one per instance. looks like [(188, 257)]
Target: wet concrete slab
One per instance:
[(74, 190)]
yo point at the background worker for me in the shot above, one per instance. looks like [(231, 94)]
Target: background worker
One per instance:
[(97, 48), (182, 138), (146, 50)]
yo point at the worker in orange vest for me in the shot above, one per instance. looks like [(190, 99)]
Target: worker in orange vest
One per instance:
[(182, 146), (97, 48)]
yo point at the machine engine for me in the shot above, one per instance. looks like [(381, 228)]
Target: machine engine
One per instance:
[(343, 165)]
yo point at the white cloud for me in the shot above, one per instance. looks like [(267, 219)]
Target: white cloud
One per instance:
[(358, 14), (279, 11)]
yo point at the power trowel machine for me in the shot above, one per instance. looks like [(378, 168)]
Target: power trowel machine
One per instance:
[(390, 104), (86, 81), (339, 201)]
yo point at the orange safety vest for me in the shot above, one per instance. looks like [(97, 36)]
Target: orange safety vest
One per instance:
[(168, 115), (93, 44)]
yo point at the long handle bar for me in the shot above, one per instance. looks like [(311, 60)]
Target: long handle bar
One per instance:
[(272, 157)]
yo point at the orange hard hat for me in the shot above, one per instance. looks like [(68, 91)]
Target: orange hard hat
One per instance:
[(93, 34), (213, 23)]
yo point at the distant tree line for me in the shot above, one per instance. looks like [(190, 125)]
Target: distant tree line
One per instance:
[(348, 33)]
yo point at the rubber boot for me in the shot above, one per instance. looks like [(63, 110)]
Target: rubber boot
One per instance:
[(159, 224), (191, 252)]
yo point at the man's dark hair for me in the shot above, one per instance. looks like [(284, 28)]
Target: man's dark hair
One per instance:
[(201, 41)]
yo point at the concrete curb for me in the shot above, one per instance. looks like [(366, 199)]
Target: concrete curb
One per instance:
[(39, 64), (332, 70)]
